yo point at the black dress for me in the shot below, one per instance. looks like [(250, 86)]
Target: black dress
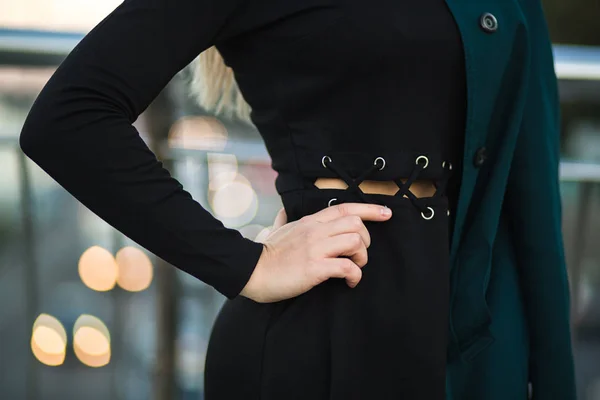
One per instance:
[(338, 88)]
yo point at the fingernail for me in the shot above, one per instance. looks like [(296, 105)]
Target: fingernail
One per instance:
[(385, 211)]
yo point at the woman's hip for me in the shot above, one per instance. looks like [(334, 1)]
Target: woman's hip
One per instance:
[(385, 338)]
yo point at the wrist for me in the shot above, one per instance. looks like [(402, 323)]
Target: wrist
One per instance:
[(252, 288)]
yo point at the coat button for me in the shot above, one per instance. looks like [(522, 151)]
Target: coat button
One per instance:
[(480, 157), (488, 22)]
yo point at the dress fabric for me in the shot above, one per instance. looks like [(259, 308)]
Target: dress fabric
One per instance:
[(337, 89), (384, 339)]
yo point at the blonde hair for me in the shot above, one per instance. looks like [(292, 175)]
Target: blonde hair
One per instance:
[(214, 87)]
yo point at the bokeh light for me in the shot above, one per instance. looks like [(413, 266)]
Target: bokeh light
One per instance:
[(135, 269), (91, 341), (230, 194), (198, 133), (235, 203), (222, 169), (233, 199), (49, 340), (251, 231), (98, 269)]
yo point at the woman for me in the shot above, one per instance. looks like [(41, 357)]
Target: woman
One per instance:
[(363, 109)]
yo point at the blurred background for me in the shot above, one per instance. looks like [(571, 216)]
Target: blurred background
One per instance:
[(85, 312)]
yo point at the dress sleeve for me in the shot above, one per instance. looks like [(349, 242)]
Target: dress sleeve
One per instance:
[(80, 132), (534, 202)]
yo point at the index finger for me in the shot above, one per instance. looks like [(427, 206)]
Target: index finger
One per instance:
[(366, 211)]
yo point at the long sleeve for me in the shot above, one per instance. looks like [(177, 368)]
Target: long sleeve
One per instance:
[(534, 200), (80, 132)]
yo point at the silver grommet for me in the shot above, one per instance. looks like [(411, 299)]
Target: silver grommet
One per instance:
[(323, 160), (448, 213), (422, 158), (382, 159), (429, 217), (449, 165), (329, 202)]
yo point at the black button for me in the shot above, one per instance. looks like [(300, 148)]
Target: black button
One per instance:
[(480, 157), (488, 23)]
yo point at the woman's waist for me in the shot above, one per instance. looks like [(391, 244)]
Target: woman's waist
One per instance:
[(419, 188), (302, 202), (375, 171), (410, 174)]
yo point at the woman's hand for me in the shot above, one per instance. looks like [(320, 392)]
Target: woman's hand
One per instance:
[(280, 220), (302, 254)]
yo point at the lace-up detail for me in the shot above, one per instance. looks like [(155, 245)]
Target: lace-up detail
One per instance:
[(421, 163)]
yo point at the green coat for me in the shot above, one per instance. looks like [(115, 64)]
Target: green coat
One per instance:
[(510, 295)]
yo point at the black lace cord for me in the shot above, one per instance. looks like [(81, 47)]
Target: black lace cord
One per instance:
[(404, 187), (442, 184), (353, 184)]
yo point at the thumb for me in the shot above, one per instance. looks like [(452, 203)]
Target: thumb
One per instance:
[(280, 219), (263, 234)]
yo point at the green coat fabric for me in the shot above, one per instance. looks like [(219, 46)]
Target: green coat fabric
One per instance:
[(509, 323)]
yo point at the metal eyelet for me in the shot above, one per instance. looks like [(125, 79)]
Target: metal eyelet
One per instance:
[(382, 159), (449, 166), (429, 217), (323, 160), (331, 200), (448, 213), (422, 158)]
